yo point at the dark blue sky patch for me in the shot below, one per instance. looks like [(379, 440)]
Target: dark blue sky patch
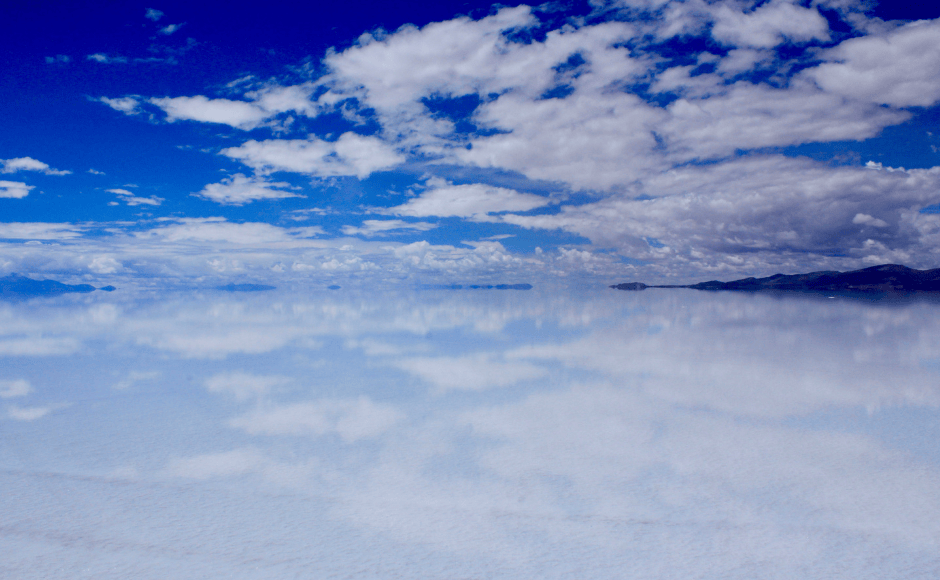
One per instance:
[(917, 10), (659, 99), (459, 110), (572, 66), (558, 92), (914, 144)]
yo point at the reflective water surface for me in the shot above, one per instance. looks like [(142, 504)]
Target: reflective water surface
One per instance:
[(469, 434)]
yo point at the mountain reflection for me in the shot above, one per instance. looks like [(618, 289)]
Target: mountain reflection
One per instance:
[(663, 434)]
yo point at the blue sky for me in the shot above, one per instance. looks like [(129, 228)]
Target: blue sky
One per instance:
[(636, 139)]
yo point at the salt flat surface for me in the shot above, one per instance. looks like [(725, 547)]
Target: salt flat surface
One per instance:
[(468, 434)]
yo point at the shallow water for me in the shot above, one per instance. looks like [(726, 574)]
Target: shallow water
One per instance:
[(469, 434)]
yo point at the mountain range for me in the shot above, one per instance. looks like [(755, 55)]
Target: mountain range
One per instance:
[(17, 285), (885, 278)]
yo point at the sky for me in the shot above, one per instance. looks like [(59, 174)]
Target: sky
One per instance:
[(602, 141)]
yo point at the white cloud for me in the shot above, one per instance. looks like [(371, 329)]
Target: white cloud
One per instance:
[(244, 386), (135, 377), (351, 154), (742, 60), (209, 343), (283, 99), (105, 59), (899, 68), (370, 228), (225, 464), (29, 164), (38, 346), (27, 413), (750, 213), (239, 190), (768, 25), (39, 231), (749, 116), (170, 29), (452, 57), (472, 200), (470, 373), (351, 419), (600, 136), (126, 105), (17, 388), (104, 265), (14, 189), (153, 14), (600, 108), (865, 219), (220, 230), (129, 198), (239, 114)]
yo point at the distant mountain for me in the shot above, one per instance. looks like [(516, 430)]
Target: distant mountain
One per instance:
[(15, 285), (884, 278)]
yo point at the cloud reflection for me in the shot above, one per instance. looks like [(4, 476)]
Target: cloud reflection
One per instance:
[(655, 434)]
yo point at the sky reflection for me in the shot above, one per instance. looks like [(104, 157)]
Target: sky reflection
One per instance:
[(597, 434)]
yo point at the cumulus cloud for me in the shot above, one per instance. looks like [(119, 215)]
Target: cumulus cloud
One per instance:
[(471, 373), (14, 189), (104, 265), (39, 230), (370, 228), (244, 386), (593, 136), (239, 190), (605, 113), (29, 164), (170, 29), (768, 25), (225, 464), (220, 230), (351, 154), (473, 200), (899, 68), (153, 14), (17, 388), (351, 419), (240, 114), (275, 99), (865, 219), (135, 377), (106, 59), (738, 214), (129, 198), (38, 346), (126, 105), (27, 413)]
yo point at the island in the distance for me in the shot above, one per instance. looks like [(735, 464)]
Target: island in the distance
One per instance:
[(15, 285), (887, 278)]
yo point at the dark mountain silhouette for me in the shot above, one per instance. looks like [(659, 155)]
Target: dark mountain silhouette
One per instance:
[(885, 278), (15, 285)]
